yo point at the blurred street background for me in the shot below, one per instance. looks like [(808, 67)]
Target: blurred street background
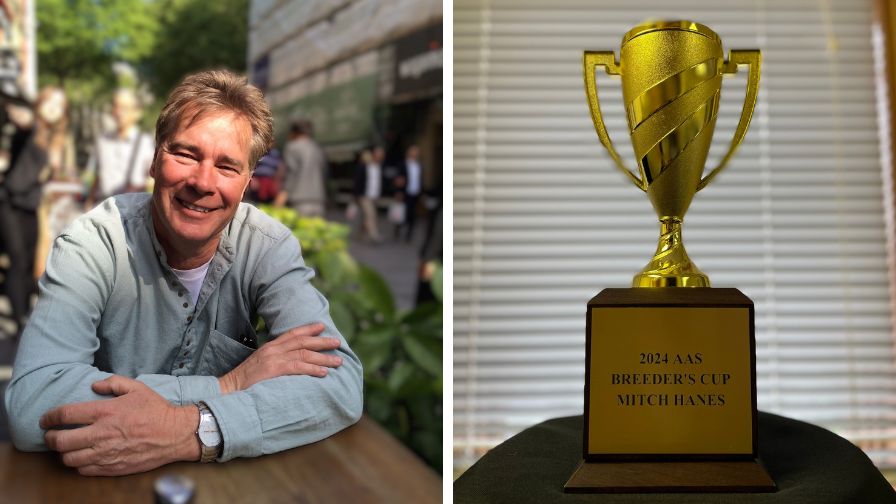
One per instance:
[(356, 90)]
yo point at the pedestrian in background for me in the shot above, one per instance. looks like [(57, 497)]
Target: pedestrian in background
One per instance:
[(38, 139), (265, 184), (122, 157), (63, 190), (368, 187), (304, 180), (410, 184)]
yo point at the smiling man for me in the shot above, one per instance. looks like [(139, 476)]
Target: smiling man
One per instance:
[(141, 349)]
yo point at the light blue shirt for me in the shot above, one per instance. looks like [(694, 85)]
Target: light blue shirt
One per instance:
[(109, 303)]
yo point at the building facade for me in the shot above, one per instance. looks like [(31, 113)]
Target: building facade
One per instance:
[(365, 72)]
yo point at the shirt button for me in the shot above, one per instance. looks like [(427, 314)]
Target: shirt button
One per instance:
[(188, 342), (186, 305), (180, 293), (181, 365), (186, 353), (189, 318)]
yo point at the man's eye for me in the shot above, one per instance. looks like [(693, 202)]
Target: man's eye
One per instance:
[(183, 154), (229, 169)]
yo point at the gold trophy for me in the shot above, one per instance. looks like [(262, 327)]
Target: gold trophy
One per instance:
[(670, 375), (671, 82)]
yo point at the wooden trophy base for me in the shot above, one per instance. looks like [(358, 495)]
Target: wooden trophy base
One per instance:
[(655, 477)]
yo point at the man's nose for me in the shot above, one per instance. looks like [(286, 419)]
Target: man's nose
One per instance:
[(203, 177)]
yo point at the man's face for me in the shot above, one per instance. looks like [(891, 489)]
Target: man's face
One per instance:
[(378, 155), (125, 110), (201, 174)]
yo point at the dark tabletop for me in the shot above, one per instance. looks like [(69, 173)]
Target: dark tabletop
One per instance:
[(361, 464), (808, 463)]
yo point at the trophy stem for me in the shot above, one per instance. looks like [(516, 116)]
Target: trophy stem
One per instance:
[(670, 266)]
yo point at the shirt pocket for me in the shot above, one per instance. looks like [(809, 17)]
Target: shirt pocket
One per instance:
[(222, 354)]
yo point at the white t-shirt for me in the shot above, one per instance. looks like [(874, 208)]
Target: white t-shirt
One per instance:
[(373, 181), (113, 156), (193, 278)]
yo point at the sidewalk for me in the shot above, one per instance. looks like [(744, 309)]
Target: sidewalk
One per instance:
[(396, 260)]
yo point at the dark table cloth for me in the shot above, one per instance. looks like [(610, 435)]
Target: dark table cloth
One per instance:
[(809, 465)]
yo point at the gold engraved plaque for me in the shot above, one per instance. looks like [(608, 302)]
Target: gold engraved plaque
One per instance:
[(695, 386)]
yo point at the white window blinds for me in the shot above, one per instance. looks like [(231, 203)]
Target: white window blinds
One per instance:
[(543, 221)]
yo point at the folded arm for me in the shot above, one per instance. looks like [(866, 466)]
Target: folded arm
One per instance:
[(55, 361), (313, 386)]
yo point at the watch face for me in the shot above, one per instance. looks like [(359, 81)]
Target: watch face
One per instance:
[(208, 431)]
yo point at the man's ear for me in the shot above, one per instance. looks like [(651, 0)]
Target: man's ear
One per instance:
[(246, 185), (152, 167)]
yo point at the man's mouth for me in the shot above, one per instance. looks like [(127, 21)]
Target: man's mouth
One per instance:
[(193, 207)]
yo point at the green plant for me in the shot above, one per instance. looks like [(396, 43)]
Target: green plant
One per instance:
[(401, 350)]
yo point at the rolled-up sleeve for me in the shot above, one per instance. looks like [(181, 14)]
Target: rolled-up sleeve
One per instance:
[(289, 411), (55, 362)]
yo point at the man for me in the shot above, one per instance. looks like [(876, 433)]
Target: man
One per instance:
[(303, 183), (368, 187), (122, 157), (142, 351), (265, 183), (410, 184)]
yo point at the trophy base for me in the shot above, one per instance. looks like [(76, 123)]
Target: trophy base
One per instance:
[(655, 477)]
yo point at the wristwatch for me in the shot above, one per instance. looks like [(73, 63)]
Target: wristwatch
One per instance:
[(210, 442)]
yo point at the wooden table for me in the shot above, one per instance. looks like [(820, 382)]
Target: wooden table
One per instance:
[(360, 464)]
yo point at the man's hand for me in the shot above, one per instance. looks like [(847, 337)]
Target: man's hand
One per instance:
[(295, 352), (136, 431)]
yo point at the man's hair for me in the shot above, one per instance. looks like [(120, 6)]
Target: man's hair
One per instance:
[(217, 91)]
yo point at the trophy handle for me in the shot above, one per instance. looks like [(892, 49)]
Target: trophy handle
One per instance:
[(590, 60), (753, 58)]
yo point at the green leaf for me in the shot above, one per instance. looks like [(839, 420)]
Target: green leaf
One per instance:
[(426, 355), (349, 266), (343, 319), (374, 347), (330, 267), (375, 291), (400, 377), (429, 314), (378, 404)]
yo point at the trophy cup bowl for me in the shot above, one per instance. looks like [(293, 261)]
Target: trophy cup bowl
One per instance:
[(671, 84)]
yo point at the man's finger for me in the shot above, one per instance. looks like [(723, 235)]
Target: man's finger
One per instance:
[(117, 385), (67, 440), (316, 343), (80, 458), (299, 332), (71, 414), (100, 470), (312, 357)]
